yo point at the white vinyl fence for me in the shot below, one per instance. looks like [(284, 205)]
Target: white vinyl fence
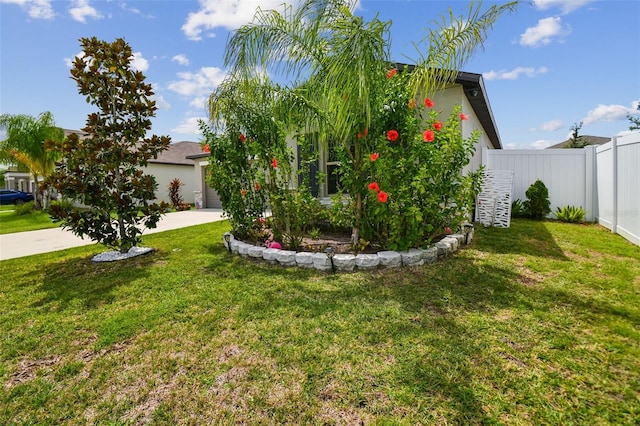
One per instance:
[(604, 180)]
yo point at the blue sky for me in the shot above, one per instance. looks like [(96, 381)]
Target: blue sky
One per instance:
[(551, 64)]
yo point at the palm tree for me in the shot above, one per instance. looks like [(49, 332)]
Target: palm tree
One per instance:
[(340, 61), (25, 145)]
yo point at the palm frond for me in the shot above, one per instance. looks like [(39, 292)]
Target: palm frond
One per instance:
[(452, 44)]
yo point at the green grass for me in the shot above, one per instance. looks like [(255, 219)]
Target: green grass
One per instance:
[(11, 222), (536, 324)]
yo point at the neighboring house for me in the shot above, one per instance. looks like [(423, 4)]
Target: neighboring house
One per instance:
[(589, 140), (23, 181), (173, 163), (468, 91)]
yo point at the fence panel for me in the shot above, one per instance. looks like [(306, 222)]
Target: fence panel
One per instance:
[(605, 186), (563, 172), (626, 220), (604, 180)]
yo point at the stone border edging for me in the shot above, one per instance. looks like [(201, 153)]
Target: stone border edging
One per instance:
[(349, 262)]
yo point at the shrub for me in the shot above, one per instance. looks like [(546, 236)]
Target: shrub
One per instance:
[(537, 204), (517, 209), (174, 193), (570, 214), (24, 209)]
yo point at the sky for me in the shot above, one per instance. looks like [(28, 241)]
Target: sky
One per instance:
[(547, 67)]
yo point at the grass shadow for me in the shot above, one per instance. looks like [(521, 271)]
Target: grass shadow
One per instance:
[(80, 281), (527, 237)]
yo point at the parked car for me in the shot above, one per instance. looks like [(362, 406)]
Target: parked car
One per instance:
[(11, 196)]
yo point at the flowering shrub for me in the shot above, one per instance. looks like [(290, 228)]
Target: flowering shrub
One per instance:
[(402, 175), (415, 189)]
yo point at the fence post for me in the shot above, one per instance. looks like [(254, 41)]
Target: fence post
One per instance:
[(590, 198), (614, 168)]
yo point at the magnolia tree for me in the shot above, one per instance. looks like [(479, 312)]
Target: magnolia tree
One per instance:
[(400, 159), (102, 173)]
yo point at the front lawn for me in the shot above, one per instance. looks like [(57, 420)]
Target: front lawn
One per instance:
[(11, 222), (536, 324)]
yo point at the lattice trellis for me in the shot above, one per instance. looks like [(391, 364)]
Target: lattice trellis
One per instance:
[(493, 205)]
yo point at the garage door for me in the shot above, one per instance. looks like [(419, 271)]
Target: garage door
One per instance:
[(211, 199)]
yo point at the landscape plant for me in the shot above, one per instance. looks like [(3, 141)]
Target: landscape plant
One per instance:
[(366, 109), (570, 214), (103, 172), (175, 196), (537, 204), (25, 147)]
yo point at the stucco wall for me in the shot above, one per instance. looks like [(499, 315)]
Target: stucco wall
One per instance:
[(165, 173)]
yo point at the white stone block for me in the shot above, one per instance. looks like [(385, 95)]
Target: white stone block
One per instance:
[(443, 248), (412, 257), (452, 241), (367, 261), (270, 254), (344, 262), (321, 262), (235, 246), (304, 259), (256, 251), (286, 257), (390, 259), (430, 255), (459, 237), (243, 249)]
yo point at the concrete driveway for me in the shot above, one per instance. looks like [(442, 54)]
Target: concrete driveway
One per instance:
[(22, 244)]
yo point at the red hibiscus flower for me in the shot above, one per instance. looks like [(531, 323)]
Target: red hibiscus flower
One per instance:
[(412, 103), (242, 138), (374, 156), (392, 135), (428, 103), (437, 125), (429, 136), (382, 196), (274, 162), (359, 135), (206, 148), (366, 132), (391, 73), (257, 186), (463, 117), (374, 186), (243, 192)]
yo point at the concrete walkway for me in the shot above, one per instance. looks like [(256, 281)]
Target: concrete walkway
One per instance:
[(21, 244)]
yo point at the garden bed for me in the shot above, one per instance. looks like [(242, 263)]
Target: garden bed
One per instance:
[(336, 254)]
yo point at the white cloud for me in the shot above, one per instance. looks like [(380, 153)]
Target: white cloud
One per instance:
[(514, 73), (609, 113), (542, 144), (565, 6), (197, 84), (181, 59), (81, 9), (139, 63), (229, 14), (69, 61), (543, 33), (200, 102), (161, 103), (37, 9), (189, 126), (552, 126)]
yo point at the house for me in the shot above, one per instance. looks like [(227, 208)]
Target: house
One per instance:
[(589, 140), (175, 162), (468, 91), (19, 179)]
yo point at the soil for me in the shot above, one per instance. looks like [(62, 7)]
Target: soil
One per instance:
[(341, 243)]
